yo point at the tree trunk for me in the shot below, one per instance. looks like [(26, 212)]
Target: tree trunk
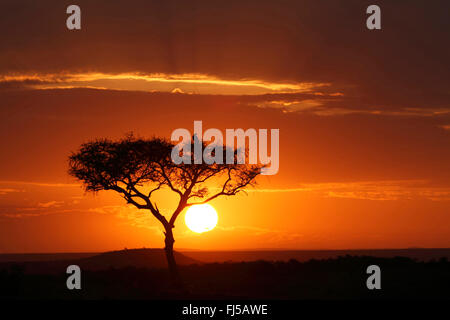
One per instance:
[(173, 268)]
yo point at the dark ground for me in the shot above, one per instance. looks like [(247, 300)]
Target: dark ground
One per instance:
[(337, 278)]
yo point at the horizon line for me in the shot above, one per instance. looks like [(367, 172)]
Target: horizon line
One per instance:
[(228, 250)]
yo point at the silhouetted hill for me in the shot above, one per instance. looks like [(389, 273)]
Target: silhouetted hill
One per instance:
[(137, 258)]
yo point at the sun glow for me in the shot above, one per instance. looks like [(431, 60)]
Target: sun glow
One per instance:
[(201, 218)]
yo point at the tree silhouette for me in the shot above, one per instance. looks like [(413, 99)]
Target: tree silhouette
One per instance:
[(137, 168)]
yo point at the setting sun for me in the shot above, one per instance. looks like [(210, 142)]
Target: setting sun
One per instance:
[(201, 218)]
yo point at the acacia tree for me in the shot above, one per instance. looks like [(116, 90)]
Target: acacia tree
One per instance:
[(137, 168)]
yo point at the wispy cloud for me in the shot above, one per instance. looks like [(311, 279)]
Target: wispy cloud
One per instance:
[(372, 190), (18, 213), (50, 204), (320, 98), (9, 190), (38, 184), (337, 104), (134, 216), (189, 83)]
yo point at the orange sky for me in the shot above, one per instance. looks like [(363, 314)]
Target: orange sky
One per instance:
[(364, 119)]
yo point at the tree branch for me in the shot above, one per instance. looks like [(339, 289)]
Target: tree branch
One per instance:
[(169, 183), (129, 197)]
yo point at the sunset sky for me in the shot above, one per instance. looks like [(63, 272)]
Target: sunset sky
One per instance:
[(364, 118)]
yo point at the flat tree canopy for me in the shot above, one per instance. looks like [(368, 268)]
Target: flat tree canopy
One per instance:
[(130, 165)]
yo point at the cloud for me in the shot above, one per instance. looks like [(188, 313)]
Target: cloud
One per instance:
[(50, 204), (176, 83), (135, 217), (19, 213), (39, 184), (372, 190), (338, 104), (321, 99), (177, 90), (4, 191)]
